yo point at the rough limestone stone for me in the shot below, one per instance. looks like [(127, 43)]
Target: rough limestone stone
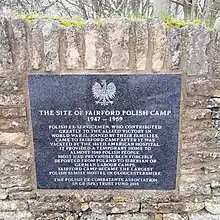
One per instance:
[(84, 206), (111, 208), (216, 124), (198, 114), (14, 173), (13, 112), (9, 181), (213, 54), (11, 82), (216, 191), (129, 217), (217, 23), (197, 146), (194, 59), (216, 114), (3, 194), (6, 63), (43, 207), (175, 41), (193, 206), (158, 217), (14, 139), (93, 216), (14, 124), (19, 189), (198, 86), (118, 32), (162, 207), (57, 216), (192, 186), (75, 48), (36, 44), (98, 51), (214, 103), (22, 195), (190, 126), (160, 45), (15, 155), (199, 136), (10, 206), (20, 46), (203, 216), (7, 99), (51, 36), (172, 217), (141, 44), (58, 197), (25, 215), (215, 184), (213, 206), (197, 101)]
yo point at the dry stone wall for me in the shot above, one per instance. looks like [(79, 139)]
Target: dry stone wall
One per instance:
[(116, 46)]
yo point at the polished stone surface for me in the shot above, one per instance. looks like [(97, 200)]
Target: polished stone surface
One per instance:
[(62, 107)]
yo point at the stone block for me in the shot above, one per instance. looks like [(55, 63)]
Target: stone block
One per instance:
[(7, 99), (24, 215), (199, 136), (13, 205), (141, 45), (15, 155), (93, 216), (189, 126), (114, 208), (3, 194), (194, 61), (43, 207), (14, 139), (13, 112), (16, 181), (213, 206), (75, 53), (22, 195), (14, 174), (192, 185), (13, 125), (197, 114), (213, 54), (203, 216), (159, 43), (118, 33), (6, 63), (137, 216), (165, 207), (174, 36), (190, 207), (98, 49), (198, 87), (56, 216), (11, 83), (172, 217), (51, 39), (20, 46), (36, 44)]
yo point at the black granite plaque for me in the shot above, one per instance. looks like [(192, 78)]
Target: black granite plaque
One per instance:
[(105, 131)]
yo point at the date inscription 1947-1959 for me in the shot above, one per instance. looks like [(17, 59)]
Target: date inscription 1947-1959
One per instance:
[(105, 131)]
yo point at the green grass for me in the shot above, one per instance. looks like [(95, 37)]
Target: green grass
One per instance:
[(67, 22), (169, 20)]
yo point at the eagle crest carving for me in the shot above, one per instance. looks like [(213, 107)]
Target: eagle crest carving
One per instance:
[(104, 92)]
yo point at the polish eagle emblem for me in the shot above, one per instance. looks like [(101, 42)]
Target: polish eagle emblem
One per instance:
[(104, 92)]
